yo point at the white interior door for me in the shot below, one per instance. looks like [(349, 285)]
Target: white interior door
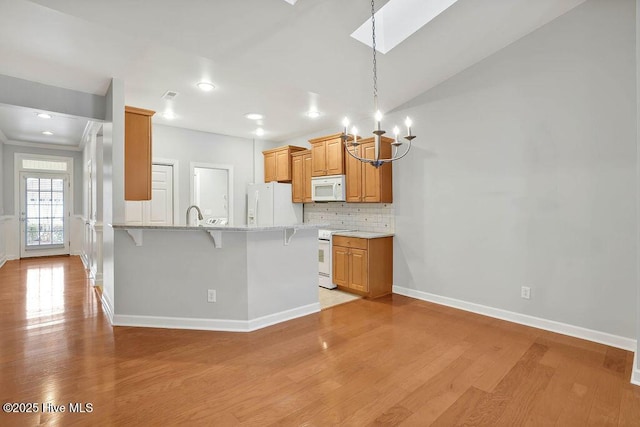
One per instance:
[(44, 214), (161, 204), (158, 210)]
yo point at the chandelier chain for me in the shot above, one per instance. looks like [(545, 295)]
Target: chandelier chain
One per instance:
[(373, 44)]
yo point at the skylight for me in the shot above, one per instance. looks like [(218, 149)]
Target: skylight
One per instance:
[(398, 19)]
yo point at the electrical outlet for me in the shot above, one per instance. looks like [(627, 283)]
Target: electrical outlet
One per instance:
[(525, 292), (211, 295)]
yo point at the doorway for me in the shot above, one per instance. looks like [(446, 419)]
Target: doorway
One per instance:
[(44, 214), (212, 192)]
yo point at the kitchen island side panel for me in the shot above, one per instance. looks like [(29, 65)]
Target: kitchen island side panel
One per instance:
[(282, 277), (169, 275)]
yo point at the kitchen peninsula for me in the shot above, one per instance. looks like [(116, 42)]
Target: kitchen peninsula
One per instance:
[(228, 278)]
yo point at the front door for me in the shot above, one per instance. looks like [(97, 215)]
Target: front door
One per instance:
[(44, 214)]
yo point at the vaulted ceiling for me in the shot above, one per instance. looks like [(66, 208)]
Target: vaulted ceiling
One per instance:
[(265, 56)]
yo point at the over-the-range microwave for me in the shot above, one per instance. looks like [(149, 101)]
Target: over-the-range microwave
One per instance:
[(328, 188)]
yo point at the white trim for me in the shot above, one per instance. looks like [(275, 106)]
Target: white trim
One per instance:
[(283, 316), (107, 307), (214, 324), (635, 371), (523, 319), (3, 138), (44, 145), (3, 259), (229, 169)]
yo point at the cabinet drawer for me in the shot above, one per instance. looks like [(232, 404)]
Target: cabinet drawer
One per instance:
[(350, 242)]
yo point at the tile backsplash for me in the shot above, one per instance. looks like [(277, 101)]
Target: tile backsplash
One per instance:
[(374, 217)]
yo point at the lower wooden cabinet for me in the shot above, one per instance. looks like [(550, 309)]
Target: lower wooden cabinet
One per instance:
[(301, 176), (363, 266)]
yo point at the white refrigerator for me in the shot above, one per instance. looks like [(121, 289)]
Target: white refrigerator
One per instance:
[(270, 204)]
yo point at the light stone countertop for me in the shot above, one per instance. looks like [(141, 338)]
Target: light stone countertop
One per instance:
[(218, 228), (363, 234)]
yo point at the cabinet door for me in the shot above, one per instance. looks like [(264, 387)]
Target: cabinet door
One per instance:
[(283, 166), (358, 270), (318, 160), (335, 157), (137, 156), (297, 179), (269, 167), (353, 176), (370, 177), (307, 166), (340, 260)]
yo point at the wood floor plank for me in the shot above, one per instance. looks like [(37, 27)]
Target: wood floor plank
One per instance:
[(390, 361)]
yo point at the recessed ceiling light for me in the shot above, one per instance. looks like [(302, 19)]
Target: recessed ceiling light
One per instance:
[(259, 131), (206, 86), (254, 116), (47, 132), (313, 114), (44, 115)]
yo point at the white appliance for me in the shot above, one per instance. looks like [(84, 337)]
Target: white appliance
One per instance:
[(270, 204), (325, 262), (328, 188)]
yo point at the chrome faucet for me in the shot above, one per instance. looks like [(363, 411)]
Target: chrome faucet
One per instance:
[(200, 217)]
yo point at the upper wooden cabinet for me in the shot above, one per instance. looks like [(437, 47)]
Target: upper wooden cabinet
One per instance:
[(365, 183), (277, 163), (137, 153), (301, 176), (327, 155)]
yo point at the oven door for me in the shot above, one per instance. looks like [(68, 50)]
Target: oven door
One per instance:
[(324, 264)]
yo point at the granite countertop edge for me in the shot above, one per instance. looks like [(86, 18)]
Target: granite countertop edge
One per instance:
[(363, 234), (219, 228)]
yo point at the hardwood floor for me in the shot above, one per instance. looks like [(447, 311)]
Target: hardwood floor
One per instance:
[(389, 361)]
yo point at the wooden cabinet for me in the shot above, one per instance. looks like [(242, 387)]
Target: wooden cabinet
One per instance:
[(364, 182), (137, 153), (301, 176), (277, 163), (327, 155), (363, 266)]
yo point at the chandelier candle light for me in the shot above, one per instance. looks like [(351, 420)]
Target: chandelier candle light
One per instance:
[(351, 141)]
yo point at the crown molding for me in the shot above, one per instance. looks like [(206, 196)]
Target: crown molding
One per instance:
[(44, 146)]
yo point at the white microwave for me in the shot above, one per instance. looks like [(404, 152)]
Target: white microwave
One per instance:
[(328, 188)]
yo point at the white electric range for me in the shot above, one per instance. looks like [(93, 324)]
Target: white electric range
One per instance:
[(325, 270)]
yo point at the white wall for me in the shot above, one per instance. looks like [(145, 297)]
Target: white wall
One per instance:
[(188, 146), (524, 174), (2, 238), (113, 183), (636, 372)]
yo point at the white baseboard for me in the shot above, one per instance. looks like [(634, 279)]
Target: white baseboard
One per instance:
[(523, 319), (107, 307), (214, 324), (85, 260), (635, 372), (3, 259)]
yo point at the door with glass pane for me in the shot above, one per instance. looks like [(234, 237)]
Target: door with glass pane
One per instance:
[(44, 215)]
